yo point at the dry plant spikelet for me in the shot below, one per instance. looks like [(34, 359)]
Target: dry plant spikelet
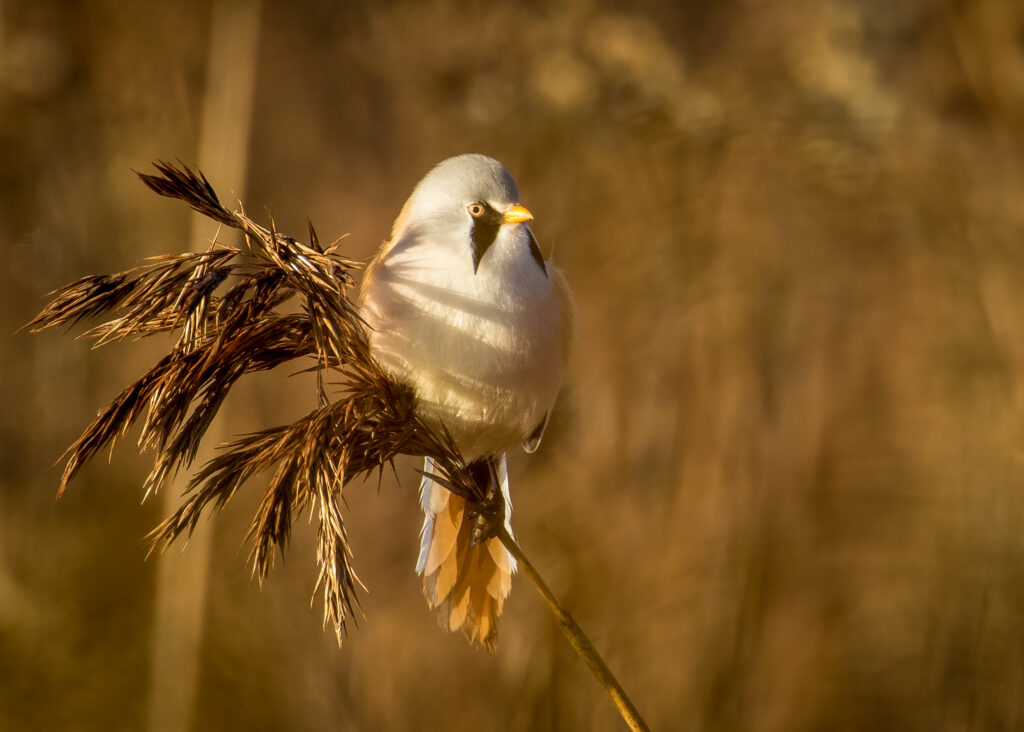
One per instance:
[(222, 337)]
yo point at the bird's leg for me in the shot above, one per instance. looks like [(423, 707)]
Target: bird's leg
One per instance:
[(490, 512)]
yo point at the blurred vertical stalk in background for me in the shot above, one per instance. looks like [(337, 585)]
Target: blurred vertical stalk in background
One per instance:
[(182, 576)]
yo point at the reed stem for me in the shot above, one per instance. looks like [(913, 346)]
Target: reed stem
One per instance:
[(577, 638)]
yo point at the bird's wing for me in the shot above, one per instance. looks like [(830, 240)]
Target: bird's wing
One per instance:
[(567, 309)]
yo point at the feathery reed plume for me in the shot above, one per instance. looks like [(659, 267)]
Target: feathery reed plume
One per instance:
[(222, 337)]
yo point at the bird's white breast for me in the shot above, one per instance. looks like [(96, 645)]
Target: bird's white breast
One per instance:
[(482, 350)]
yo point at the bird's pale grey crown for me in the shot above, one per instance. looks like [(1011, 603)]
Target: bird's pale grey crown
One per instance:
[(445, 192)]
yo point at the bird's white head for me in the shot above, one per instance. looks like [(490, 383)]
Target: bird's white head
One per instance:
[(465, 204)]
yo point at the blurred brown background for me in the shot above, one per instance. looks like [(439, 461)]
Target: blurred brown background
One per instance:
[(784, 487)]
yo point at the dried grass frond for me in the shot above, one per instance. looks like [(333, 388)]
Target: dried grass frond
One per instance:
[(223, 337)]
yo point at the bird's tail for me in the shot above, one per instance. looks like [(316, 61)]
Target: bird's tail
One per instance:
[(467, 583)]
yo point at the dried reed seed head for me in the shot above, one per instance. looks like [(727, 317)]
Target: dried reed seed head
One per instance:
[(224, 337)]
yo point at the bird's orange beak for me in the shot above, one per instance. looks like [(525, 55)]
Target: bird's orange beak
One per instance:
[(516, 215)]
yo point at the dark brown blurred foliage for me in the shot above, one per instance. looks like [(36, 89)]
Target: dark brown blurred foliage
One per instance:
[(783, 487)]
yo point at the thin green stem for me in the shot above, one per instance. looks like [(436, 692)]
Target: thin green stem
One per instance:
[(577, 638)]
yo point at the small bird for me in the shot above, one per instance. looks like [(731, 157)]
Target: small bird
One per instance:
[(462, 306)]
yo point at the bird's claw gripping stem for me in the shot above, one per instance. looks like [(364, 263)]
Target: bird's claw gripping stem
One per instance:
[(490, 516)]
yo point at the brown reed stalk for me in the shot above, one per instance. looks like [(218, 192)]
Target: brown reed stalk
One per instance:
[(577, 638), (223, 337)]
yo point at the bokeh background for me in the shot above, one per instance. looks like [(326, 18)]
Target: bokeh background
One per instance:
[(784, 486)]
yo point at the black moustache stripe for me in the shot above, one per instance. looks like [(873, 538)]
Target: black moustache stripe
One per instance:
[(485, 232), (535, 252)]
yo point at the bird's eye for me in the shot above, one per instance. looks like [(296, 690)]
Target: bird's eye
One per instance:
[(476, 210)]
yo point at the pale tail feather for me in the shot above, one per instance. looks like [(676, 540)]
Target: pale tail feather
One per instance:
[(467, 584)]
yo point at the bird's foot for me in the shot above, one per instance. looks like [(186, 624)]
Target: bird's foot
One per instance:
[(490, 516)]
